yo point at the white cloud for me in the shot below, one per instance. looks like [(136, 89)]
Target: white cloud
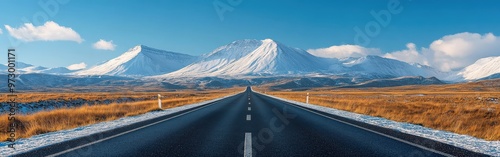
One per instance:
[(343, 51), (410, 55), (50, 31), (462, 49), (78, 66), (104, 45), (452, 52), (1, 31)]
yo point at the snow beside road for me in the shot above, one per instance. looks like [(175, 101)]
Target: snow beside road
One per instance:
[(463, 141), (27, 144)]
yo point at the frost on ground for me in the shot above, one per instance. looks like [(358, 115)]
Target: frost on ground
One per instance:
[(27, 144), (463, 141)]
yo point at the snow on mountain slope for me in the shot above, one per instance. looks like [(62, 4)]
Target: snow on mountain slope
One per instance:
[(220, 57), (385, 66), (25, 68), (481, 68), (253, 57), (275, 58), (33, 69), (141, 61)]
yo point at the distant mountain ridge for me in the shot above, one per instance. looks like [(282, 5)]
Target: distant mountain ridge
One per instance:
[(267, 58), (271, 58), (25, 68)]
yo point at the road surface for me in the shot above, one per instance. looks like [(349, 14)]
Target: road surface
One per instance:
[(249, 124)]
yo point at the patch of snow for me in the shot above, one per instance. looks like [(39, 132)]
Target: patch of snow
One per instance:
[(463, 141), (27, 144)]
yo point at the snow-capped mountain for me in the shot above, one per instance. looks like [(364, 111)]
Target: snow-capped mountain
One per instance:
[(25, 68), (481, 68), (253, 57), (220, 57), (28, 68), (141, 61)]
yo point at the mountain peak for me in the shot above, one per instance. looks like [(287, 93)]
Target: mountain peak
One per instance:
[(252, 57), (245, 41), (146, 50), (373, 57), (141, 60), (140, 47), (268, 40), (22, 64), (235, 49), (250, 42)]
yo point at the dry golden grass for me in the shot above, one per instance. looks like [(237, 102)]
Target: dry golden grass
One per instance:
[(67, 118), (36, 97), (456, 108)]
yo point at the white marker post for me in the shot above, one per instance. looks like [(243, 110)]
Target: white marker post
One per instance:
[(307, 98), (159, 101)]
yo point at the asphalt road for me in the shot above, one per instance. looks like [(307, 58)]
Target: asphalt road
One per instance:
[(249, 124)]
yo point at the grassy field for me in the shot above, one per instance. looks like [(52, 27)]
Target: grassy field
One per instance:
[(67, 118), (36, 97), (471, 108)]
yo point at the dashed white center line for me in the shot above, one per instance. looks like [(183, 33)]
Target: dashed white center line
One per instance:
[(249, 103), (247, 150), (249, 117), (249, 108)]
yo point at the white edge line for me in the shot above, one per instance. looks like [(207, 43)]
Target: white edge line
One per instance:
[(247, 151), (123, 133), (388, 136)]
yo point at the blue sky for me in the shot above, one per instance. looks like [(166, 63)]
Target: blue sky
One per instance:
[(194, 26)]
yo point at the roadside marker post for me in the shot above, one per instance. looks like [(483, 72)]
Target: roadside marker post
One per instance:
[(307, 98), (159, 101)]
